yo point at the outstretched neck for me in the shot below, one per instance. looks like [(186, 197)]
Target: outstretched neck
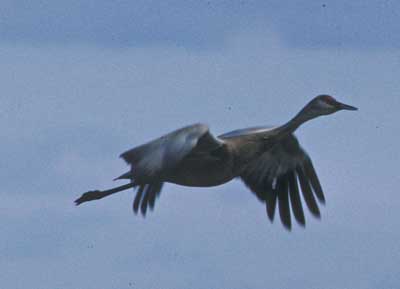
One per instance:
[(300, 118)]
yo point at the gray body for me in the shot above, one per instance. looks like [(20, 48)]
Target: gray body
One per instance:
[(215, 165), (269, 160)]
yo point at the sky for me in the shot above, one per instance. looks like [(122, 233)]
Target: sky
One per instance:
[(83, 81)]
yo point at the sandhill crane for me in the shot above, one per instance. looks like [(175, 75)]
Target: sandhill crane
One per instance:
[(269, 161)]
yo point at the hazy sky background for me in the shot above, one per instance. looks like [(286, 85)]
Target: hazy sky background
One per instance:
[(82, 81)]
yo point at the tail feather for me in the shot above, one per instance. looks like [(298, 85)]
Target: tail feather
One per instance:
[(127, 175)]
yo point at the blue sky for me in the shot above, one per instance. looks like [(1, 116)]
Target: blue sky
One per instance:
[(200, 24), (84, 81)]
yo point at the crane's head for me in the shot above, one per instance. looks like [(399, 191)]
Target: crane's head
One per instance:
[(321, 105), (325, 104)]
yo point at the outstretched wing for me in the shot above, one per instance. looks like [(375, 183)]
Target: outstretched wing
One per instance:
[(153, 160), (275, 177)]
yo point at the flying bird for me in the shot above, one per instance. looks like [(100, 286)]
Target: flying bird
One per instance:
[(269, 160)]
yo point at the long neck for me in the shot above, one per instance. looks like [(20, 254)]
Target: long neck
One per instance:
[(300, 118)]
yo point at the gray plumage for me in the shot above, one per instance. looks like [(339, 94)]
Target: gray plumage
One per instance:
[(269, 160)]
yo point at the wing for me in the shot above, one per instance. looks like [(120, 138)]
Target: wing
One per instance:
[(153, 160), (275, 178), (245, 131)]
